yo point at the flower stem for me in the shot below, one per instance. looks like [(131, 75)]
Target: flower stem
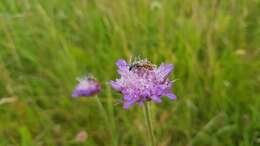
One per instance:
[(103, 112), (149, 123)]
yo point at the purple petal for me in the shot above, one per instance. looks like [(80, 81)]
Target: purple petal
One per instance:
[(140, 103), (86, 88), (129, 101), (128, 104), (127, 98), (115, 85), (122, 64), (171, 96), (164, 70), (76, 93), (156, 98), (80, 92)]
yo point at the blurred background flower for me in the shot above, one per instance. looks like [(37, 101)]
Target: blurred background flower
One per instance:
[(87, 86)]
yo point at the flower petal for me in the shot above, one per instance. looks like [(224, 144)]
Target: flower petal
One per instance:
[(83, 92), (86, 88), (115, 85), (140, 103), (129, 100), (128, 104), (122, 64), (171, 96), (75, 94), (164, 70), (156, 98)]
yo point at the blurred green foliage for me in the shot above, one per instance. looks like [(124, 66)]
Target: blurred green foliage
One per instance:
[(46, 44)]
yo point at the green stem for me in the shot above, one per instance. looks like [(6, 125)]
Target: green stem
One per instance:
[(102, 109), (149, 123), (103, 112)]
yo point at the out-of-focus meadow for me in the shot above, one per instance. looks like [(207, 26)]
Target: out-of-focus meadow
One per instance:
[(46, 44)]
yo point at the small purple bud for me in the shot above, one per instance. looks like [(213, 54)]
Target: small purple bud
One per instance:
[(86, 87)]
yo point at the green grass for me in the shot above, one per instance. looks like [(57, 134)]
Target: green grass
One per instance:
[(46, 44)]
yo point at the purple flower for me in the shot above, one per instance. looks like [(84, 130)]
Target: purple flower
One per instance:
[(87, 86), (142, 81)]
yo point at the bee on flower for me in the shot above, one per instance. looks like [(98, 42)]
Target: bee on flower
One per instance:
[(142, 81)]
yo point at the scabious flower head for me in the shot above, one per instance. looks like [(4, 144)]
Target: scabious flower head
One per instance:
[(142, 81), (87, 86)]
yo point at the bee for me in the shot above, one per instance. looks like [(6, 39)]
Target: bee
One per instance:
[(142, 64)]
